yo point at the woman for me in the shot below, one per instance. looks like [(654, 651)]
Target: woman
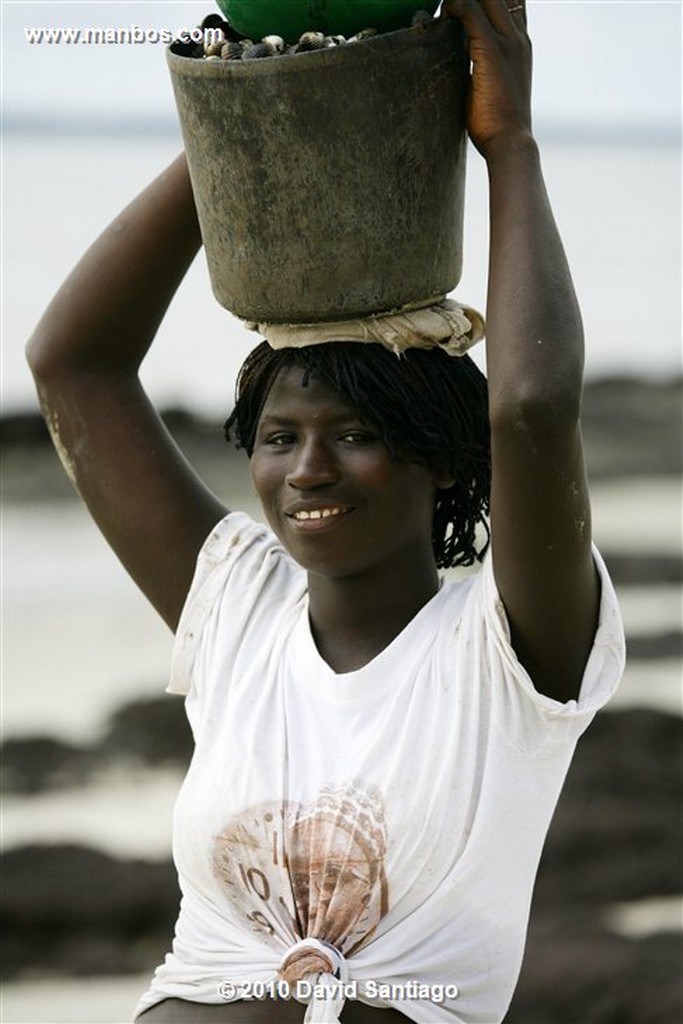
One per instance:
[(378, 755)]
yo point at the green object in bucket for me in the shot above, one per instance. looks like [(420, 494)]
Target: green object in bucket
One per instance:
[(289, 18)]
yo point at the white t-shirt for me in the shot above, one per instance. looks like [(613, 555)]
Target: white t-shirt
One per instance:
[(397, 812)]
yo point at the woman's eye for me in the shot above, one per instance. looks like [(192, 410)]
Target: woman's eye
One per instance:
[(358, 437), (279, 440)]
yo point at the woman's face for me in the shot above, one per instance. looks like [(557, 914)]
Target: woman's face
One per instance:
[(330, 490), (337, 883)]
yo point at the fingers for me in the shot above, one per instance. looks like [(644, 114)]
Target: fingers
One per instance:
[(470, 13), (499, 100), (517, 11), (501, 15), (504, 14)]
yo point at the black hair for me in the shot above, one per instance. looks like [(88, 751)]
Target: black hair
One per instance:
[(427, 405)]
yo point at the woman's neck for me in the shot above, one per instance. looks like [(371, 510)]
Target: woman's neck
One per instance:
[(354, 618)]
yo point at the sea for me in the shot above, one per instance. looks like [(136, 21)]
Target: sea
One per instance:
[(78, 640), (616, 196)]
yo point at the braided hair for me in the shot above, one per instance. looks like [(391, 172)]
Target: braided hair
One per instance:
[(428, 406)]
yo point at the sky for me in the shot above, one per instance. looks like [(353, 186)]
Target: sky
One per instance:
[(629, 55)]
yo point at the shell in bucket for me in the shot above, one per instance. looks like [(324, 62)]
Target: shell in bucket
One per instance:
[(289, 18)]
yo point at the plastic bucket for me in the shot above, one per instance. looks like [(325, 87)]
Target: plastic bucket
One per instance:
[(330, 184)]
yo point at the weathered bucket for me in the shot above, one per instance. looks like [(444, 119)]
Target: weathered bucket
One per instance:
[(330, 184)]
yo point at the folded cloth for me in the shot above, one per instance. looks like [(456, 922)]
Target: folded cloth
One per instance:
[(447, 325)]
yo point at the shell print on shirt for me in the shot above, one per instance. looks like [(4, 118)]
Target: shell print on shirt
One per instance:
[(315, 869)]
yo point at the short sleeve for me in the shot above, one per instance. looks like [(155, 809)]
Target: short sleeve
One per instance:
[(531, 719), (240, 568)]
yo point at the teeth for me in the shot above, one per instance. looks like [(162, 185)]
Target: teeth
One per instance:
[(318, 513)]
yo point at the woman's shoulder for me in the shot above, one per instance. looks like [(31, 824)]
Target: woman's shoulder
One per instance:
[(242, 571), (234, 535), (243, 574), (242, 554)]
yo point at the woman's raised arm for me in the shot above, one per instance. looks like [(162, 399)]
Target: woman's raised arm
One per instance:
[(540, 513), (85, 354)]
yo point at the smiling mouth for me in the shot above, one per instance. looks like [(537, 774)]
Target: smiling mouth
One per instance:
[(304, 515)]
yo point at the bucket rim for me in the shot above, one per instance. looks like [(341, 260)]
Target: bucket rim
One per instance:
[(296, 63)]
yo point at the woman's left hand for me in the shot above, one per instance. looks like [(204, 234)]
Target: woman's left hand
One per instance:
[(499, 104)]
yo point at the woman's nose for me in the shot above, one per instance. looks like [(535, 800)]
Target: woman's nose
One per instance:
[(313, 465)]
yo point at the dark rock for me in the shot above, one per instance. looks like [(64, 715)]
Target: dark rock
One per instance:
[(633, 752), (51, 885), (154, 731), (630, 569), (37, 763), (633, 427), (72, 908), (575, 973), (617, 833), (23, 429), (659, 645)]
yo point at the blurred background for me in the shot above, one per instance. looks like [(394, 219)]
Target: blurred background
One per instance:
[(93, 752)]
